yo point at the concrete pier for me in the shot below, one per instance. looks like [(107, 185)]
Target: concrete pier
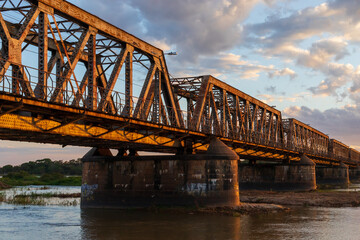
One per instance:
[(334, 175), (209, 179), (354, 174), (297, 177)]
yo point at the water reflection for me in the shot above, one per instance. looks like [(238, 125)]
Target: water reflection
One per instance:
[(302, 223), (118, 224), (60, 222)]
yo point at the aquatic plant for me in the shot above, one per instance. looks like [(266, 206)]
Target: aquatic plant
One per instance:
[(27, 200), (2, 197)]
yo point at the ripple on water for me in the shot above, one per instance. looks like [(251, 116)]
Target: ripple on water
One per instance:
[(62, 222)]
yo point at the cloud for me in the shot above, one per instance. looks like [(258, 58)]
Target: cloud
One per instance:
[(271, 89), (225, 64), (323, 51), (120, 13), (194, 28), (160, 44), (273, 98), (277, 32), (268, 99), (200, 31), (335, 25), (340, 123), (339, 76), (203, 27), (283, 72)]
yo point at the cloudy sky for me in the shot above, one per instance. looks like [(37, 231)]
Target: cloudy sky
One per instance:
[(297, 55)]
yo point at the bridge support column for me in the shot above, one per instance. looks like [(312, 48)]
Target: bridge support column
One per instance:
[(354, 174), (209, 179), (285, 177), (334, 175)]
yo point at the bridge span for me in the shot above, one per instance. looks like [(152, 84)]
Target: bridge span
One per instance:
[(68, 77)]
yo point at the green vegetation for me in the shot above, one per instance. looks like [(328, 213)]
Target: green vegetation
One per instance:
[(23, 178), (2, 197), (68, 199), (43, 172), (26, 200), (40, 167)]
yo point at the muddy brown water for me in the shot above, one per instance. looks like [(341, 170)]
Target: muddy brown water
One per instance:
[(70, 222)]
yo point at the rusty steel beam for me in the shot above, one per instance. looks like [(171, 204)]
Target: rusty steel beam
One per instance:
[(74, 36), (239, 114), (66, 9), (302, 137), (339, 149)]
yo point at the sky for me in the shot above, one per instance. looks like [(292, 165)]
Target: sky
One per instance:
[(297, 55)]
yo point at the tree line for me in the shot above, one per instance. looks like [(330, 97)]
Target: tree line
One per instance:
[(43, 166)]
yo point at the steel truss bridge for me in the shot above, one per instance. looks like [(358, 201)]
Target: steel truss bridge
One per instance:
[(68, 77)]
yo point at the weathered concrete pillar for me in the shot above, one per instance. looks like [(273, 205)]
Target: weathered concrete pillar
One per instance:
[(175, 180), (222, 173), (354, 174), (96, 174), (288, 177), (333, 175)]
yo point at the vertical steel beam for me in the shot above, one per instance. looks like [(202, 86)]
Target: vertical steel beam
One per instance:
[(128, 108), (247, 113), (200, 103), (223, 112), (190, 110), (59, 67), (42, 57), (228, 120), (171, 102), (5, 36), (148, 102), (206, 122), (91, 73), (15, 79), (163, 113), (157, 96), (215, 113)]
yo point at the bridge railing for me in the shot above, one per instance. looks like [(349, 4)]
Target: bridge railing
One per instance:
[(71, 96), (75, 95)]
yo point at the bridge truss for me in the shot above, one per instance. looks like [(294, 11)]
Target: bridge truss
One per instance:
[(67, 77)]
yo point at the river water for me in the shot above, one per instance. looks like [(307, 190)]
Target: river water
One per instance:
[(70, 222)]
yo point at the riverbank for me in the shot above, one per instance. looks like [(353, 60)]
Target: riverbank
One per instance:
[(23, 178), (41, 195), (242, 209), (252, 202), (264, 202), (313, 198)]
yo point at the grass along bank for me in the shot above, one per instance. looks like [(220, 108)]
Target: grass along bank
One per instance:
[(23, 178), (41, 195)]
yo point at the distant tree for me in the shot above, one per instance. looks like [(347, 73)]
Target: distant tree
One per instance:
[(42, 166), (7, 168)]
